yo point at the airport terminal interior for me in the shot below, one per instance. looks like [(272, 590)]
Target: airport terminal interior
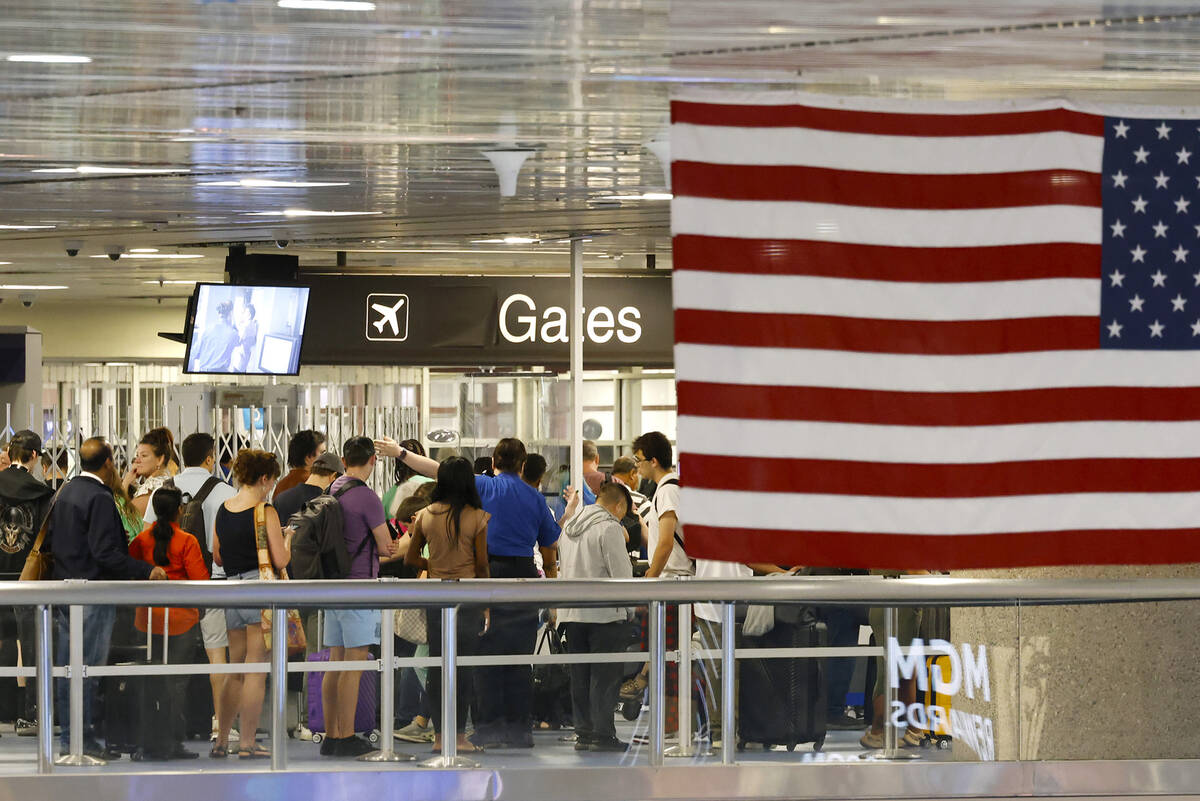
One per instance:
[(420, 284)]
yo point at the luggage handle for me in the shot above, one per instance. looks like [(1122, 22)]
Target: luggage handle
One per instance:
[(150, 631)]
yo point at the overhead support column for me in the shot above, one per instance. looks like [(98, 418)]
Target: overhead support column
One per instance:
[(577, 363)]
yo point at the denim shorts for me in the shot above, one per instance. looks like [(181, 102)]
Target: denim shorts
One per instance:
[(351, 628), (241, 618)]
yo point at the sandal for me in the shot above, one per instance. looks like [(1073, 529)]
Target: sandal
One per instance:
[(219, 751), (256, 752)]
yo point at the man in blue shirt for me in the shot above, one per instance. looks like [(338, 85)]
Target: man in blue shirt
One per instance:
[(520, 521)]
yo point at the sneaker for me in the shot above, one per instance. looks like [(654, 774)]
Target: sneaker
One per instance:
[(303, 733), (331, 746), (415, 733), (583, 742), (912, 739), (633, 689), (844, 722), (871, 740), (355, 746), (25, 728), (609, 744)]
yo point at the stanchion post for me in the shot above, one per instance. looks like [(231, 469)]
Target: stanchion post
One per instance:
[(45, 689), (658, 680), (76, 757), (387, 692), (449, 757), (728, 666), (891, 750), (278, 689), (686, 747)]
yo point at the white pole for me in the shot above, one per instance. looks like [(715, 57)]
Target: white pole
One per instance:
[(576, 332)]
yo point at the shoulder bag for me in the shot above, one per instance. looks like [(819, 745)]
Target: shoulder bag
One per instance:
[(297, 643), (39, 564)]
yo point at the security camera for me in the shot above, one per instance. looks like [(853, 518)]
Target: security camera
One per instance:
[(72, 246), (281, 243), (114, 251), (27, 299)]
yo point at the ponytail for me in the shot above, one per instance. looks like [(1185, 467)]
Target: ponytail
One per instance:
[(167, 502)]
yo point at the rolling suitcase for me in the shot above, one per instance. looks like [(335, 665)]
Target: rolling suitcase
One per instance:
[(140, 711), (782, 701), (937, 706), (366, 713)]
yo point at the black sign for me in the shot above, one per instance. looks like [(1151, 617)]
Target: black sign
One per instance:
[(447, 321)]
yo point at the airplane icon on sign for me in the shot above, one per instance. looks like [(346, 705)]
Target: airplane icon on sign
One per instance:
[(387, 312)]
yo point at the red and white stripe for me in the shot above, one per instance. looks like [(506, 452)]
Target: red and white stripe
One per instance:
[(887, 355)]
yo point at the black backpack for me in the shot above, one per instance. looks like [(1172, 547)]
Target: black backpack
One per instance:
[(319, 538), (191, 515)]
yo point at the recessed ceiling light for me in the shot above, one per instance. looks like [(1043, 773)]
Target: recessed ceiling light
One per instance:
[(25, 227), (646, 196), (508, 240), (31, 287), (88, 169), (49, 58), (134, 255), (327, 5), (144, 250), (266, 183), (310, 213), (5, 262)]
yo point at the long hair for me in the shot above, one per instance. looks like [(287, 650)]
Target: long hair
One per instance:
[(403, 472), (167, 501), (456, 488)]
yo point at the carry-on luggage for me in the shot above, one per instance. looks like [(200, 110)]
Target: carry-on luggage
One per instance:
[(782, 701), (938, 731), (140, 711), (366, 713)]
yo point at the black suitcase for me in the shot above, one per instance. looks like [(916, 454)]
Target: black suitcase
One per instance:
[(782, 701), (139, 713)]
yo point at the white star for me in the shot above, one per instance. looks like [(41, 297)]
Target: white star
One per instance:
[(1121, 129), (1182, 204), (1159, 278), (1164, 131), (1120, 178), (1197, 277), (1160, 230), (1138, 254), (1156, 329), (1117, 277), (1118, 229), (1180, 254), (1160, 180), (1196, 329), (1183, 154), (1198, 230), (1114, 330), (1135, 303), (1178, 302), (1139, 205), (1140, 154)]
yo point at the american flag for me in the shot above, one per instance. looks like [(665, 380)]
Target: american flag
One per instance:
[(936, 338)]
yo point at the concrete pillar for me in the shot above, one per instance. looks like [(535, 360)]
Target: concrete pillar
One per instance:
[(25, 394), (1106, 681)]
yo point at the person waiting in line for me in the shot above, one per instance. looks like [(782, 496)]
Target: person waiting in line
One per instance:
[(592, 546), (5, 461), (406, 480), (172, 631), (455, 528), (235, 548), (88, 542), (592, 477), (349, 633), (151, 467), (520, 520), (412, 700), (326, 469), (54, 469), (532, 473), (24, 504), (483, 466), (908, 626), (196, 480), (624, 471), (303, 449)]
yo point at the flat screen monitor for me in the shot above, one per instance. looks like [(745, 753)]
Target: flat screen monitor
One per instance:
[(246, 330)]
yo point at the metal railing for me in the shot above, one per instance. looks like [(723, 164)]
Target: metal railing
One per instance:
[(386, 594)]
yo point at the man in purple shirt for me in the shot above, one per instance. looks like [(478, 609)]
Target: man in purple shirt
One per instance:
[(349, 633)]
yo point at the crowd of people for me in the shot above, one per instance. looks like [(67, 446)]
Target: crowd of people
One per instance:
[(168, 517)]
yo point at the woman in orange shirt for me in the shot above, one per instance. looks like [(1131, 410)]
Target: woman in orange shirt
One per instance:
[(165, 543)]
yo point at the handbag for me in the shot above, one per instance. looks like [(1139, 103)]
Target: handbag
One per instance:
[(297, 643), (39, 564), (410, 625)]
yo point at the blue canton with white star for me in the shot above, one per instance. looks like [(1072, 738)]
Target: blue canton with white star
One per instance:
[(1150, 287)]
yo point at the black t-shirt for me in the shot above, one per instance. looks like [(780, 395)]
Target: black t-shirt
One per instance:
[(290, 501), (239, 544)]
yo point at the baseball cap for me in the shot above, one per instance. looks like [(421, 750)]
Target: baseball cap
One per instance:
[(330, 461), (28, 440)]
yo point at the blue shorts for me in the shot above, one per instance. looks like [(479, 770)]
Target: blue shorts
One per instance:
[(351, 628), (241, 618)]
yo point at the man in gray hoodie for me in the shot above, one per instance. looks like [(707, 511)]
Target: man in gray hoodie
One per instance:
[(593, 546)]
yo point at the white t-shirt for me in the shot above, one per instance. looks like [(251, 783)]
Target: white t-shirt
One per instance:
[(712, 569), (666, 499)]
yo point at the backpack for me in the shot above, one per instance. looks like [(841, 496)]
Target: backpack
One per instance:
[(191, 515), (319, 538)]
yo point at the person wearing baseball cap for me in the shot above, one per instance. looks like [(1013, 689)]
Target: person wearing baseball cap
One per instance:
[(325, 469)]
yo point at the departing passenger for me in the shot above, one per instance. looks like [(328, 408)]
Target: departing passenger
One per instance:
[(165, 544), (88, 542), (349, 633), (592, 477), (151, 467), (534, 470), (520, 520), (406, 480), (303, 450), (413, 706), (54, 470), (908, 625), (235, 547), (455, 529), (325, 470), (197, 483), (636, 519), (593, 546), (483, 466)]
